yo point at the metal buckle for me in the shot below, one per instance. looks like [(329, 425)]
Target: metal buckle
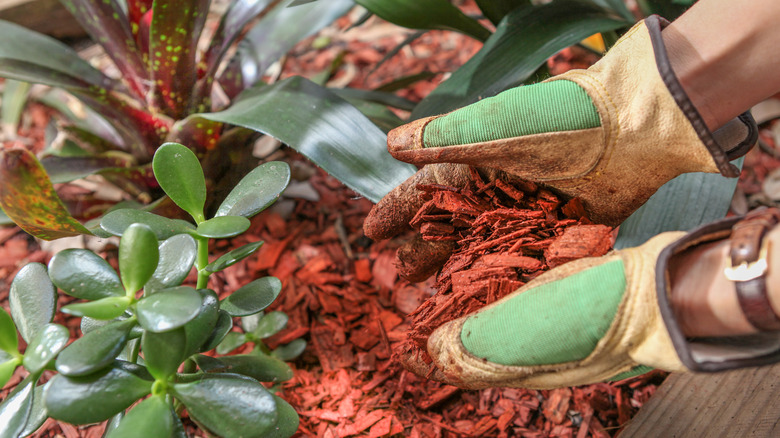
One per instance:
[(750, 271)]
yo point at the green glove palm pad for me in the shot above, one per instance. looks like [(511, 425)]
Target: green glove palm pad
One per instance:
[(556, 322), (532, 109)]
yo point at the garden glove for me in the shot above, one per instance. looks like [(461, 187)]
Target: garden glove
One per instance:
[(604, 318), (610, 135)]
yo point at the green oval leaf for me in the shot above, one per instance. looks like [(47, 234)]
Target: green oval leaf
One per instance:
[(221, 329), (257, 190), (117, 221), (210, 400), (177, 255), (83, 274), (95, 350), (7, 369), (37, 414), (178, 171), (288, 421), (104, 308), (168, 309), (233, 257), (138, 256), (163, 352), (28, 197), (33, 300), (288, 352), (43, 348), (258, 366), (15, 409), (9, 339), (223, 227), (98, 396), (252, 297), (152, 418), (271, 324), (200, 328), (231, 341)]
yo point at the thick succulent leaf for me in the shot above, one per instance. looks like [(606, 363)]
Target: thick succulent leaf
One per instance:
[(426, 14), (210, 400), (288, 352), (38, 414), (117, 221), (232, 341), (138, 256), (14, 100), (44, 347), (682, 204), (66, 169), (9, 339), (32, 299), (258, 366), (28, 197), (152, 418), (173, 39), (288, 421), (106, 22), (16, 408), (522, 42), (98, 396), (163, 352), (221, 329), (495, 10), (177, 255), (233, 257), (222, 227), (279, 31), (104, 308), (271, 324), (257, 190), (168, 309), (95, 350), (249, 323), (325, 128), (33, 57), (252, 297), (200, 328), (7, 368), (83, 274), (178, 171)]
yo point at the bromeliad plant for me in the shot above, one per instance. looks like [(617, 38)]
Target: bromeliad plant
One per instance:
[(144, 334)]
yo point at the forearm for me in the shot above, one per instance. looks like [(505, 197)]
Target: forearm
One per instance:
[(726, 54)]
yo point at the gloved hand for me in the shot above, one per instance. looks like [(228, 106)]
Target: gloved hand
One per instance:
[(608, 317), (610, 135)]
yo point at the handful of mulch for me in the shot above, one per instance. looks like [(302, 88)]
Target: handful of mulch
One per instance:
[(505, 235)]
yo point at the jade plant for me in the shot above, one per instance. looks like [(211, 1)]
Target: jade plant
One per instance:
[(146, 337)]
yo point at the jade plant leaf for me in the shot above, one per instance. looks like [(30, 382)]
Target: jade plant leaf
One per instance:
[(95, 350), (288, 352), (232, 257), (215, 397), (231, 341), (97, 396), (257, 190), (7, 368), (178, 171), (426, 14), (43, 348), (177, 256), (288, 420), (16, 408), (28, 197), (168, 309), (200, 328), (138, 256), (223, 227), (104, 308), (326, 129), (38, 414), (83, 274), (173, 38), (221, 329), (9, 340), (271, 324), (33, 299), (522, 42), (258, 366), (163, 352), (152, 418), (117, 221), (253, 297)]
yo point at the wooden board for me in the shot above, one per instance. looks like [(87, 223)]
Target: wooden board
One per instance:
[(741, 403), (45, 16)]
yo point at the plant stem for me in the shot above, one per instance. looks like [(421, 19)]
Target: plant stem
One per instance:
[(203, 260)]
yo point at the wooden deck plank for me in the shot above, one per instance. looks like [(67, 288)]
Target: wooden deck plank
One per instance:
[(741, 403)]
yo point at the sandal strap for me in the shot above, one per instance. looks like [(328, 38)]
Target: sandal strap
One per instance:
[(749, 267)]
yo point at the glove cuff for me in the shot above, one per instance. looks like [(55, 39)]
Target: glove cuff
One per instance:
[(739, 135), (722, 353)]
